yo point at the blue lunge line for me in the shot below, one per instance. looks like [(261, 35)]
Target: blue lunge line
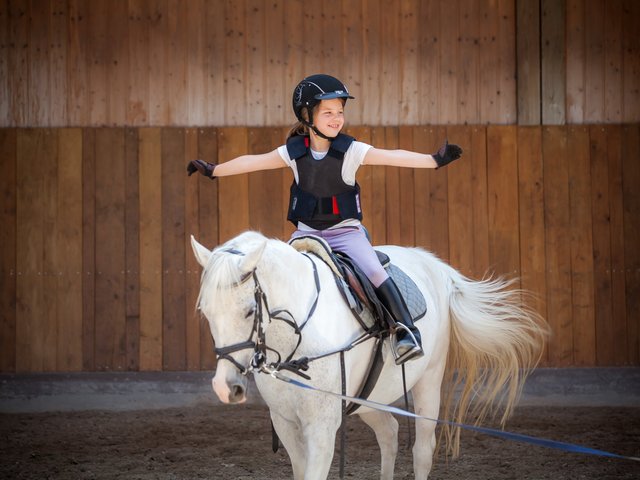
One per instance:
[(568, 447)]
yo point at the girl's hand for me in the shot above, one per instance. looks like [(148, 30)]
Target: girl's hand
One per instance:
[(201, 167), (447, 154)]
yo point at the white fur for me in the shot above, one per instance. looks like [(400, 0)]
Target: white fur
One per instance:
[(492, 339)]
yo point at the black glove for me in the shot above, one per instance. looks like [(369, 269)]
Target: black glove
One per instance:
[(447, 154), (203, 167)]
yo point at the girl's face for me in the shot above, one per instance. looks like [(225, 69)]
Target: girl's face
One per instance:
[(329, 116)]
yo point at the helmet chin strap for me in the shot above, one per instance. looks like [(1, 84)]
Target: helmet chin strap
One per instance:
[(316, 131)]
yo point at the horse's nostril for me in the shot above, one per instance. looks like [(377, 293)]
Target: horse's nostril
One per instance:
[(237, 393)]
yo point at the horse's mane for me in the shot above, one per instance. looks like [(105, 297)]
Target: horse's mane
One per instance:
[(223, 268)]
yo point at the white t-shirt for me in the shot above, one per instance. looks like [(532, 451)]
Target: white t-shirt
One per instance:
[(353, 158)]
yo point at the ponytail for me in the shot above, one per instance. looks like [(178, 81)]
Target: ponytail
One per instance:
[(298, 129)]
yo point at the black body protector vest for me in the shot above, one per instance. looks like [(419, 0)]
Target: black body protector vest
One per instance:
[(321, 199)]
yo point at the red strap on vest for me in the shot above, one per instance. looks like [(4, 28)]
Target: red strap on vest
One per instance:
[(334, 205)]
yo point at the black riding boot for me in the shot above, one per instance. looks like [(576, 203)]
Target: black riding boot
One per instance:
[(406, 348)]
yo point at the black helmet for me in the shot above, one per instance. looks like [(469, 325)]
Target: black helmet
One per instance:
[(312, 89)]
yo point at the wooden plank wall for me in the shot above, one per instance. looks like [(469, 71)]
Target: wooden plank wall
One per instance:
[(235, 62), (97, 272)]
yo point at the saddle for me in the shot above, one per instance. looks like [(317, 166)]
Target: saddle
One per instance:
[(360, 295)]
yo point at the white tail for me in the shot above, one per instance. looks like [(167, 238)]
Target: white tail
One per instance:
[(495, 342)]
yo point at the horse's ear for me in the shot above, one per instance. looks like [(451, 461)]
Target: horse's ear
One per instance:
[(251, 259), (201, 253)]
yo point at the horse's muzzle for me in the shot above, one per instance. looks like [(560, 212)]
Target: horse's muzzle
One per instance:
[(232, 389)]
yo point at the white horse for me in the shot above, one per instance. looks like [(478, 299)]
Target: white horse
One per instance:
[(477, 338)]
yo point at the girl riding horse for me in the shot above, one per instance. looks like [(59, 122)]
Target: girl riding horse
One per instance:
[(325, 197)]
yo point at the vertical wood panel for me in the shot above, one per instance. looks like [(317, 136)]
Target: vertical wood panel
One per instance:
[(234, 62), (449, 63), (8, 232), (407, 197), (196, 73), (408, 61), (331, 45), (378, 207), (532, 217), (5, 49), (132, 249), (467, 202), (35, 322), (178, 30), (613, 67), (601, 244), (265, 188), (39, 54), (18, 63), (553, 62), (192, 268), (117, 63), (58, 62), (469, 42), (158, 111), (97, 55), (557, 248), (69, 251), (631, 199), (528, 56), (354, 71), (393, 188), (77, 69), (138, 72), (214, 58), (431, 193), (277, 91), (489, 65), (428, 61), (88, 247), (207, 227), (150, 179), (576, 58), (631, 61), (50, 255), (507, 54), (173, 250), (619, 326), (594, 60), (584, 343), (373, 45), (461, 203), (255, 94), (110, 263), (294, 39), (502, 193), (233, 192)]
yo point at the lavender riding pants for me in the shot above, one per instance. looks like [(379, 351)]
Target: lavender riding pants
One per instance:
[(353, 242)]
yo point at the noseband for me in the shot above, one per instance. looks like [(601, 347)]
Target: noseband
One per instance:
[(259, 345)]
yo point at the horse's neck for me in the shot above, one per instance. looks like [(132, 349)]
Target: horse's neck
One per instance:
[(293, 287)]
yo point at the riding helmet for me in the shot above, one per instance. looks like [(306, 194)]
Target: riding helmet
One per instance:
[(310, 91)]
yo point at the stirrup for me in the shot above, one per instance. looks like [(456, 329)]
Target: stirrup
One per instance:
[(410, 354)]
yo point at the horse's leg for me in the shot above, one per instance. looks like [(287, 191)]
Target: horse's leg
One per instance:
[(385, 427), (320, 439), (426, 401), (291, 437)]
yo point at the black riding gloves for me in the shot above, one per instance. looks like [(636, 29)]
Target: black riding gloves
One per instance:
[(202, 167), (447, 154)]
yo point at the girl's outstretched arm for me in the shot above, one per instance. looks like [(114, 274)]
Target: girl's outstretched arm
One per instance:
[(405, 158), (238, 165)]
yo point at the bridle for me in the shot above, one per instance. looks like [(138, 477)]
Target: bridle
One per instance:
[(259, 346)]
